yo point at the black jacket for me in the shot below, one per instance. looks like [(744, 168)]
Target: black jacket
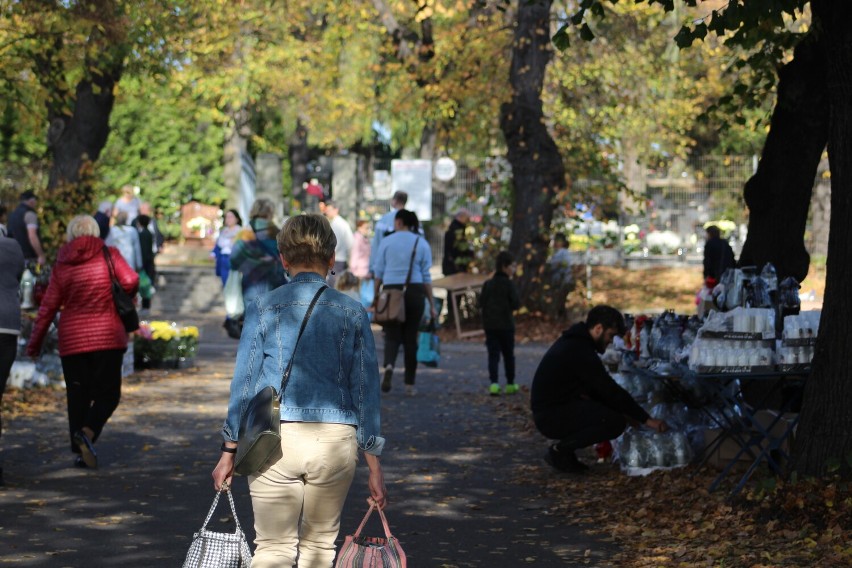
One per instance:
[(499, 298), (456, 253), (17, 229), (571, 370), (718, 257)]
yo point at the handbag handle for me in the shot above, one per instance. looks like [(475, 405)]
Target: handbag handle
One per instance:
[(373, 507), (225, 489), (410, 264), (285, 378)]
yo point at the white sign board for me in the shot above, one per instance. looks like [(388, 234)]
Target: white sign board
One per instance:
[(415, 178)]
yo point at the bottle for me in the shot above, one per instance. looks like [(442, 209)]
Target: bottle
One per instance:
[(27, 285)]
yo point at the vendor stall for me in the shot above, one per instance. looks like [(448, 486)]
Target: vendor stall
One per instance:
[(729, 384), (463, 291)]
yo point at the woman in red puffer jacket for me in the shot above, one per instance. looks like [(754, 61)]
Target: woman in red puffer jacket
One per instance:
[(92, 340)]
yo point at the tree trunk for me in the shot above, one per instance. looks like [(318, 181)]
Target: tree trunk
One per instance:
[(779, 193), (537, 169), (236, 144), (75, 139), (428, 142), (297, 150), (825, 430), (820, 214)]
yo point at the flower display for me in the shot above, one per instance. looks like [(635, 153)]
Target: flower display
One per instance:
[(161, 344)]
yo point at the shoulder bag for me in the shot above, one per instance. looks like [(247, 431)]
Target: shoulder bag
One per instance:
[(390, 306), (122, 300), (367, 551), (219, 550), (260, 425)]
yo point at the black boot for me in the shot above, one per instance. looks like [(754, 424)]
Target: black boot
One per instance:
[(564, 461)]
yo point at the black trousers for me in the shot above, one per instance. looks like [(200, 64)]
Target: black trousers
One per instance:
[(580, 423), (500, 342), (8, 350), (93, 389), (405, 334)]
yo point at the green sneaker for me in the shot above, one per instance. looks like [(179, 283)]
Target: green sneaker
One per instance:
[(511, 388), (494, 389)]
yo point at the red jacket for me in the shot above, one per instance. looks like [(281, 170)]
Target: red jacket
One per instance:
[(81, 288)]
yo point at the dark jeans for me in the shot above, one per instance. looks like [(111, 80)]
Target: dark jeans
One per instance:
[(501, 341), (405, 333), (580, 423), (8, 350), (93, 389)]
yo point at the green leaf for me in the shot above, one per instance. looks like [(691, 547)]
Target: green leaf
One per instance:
[(684, 38), (586, 33), (560, 39), (577, 18)]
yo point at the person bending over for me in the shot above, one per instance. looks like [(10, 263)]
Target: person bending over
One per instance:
[(573, 398)]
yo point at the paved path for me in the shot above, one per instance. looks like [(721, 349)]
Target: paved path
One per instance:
[(463, 471)]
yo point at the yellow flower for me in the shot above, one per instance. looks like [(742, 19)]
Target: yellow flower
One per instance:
[(189, 331), (163, 330)]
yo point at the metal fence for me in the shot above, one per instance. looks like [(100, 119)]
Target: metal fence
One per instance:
[(680, 199)]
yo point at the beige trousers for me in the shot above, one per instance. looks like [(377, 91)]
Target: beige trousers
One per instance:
[(298, 500)]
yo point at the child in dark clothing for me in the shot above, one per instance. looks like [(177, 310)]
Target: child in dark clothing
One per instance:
[(498, 300)]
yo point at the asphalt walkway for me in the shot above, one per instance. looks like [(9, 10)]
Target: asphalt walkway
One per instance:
[(463, 472)]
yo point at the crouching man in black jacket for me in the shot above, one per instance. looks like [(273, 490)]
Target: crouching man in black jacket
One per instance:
[(573, 398)]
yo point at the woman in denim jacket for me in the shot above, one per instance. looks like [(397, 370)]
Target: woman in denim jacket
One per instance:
[(330, 409)]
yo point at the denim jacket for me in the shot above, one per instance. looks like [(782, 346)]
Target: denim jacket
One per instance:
[(335, 375)]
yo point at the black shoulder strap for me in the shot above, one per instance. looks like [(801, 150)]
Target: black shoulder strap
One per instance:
[(411, 263), (110, 266), (286, 377)]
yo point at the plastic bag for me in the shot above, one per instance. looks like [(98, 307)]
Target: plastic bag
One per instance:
[(234, 305), (146, 288), (428, 349)]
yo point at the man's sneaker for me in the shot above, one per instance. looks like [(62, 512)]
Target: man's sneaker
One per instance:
[(511, 388), (386, 381), (410, 390), (564, 461), (494, 389)]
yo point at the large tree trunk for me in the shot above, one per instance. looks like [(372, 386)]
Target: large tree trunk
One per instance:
[(825, 429), (779, 193), (537, 169), (76, 137), (76, 141)]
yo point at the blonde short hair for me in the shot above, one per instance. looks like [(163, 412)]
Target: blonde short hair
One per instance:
[(307, 240), (263, 209), (82, 226)]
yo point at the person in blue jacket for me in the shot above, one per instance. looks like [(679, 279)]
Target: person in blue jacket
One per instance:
[(330, 407)]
